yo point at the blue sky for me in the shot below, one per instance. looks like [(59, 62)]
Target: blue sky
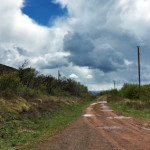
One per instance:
[(92, 41), (43, 11)]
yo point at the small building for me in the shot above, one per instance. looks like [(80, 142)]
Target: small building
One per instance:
[(6, 69)]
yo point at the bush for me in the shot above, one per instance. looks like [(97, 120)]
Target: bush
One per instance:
[(27, 83), (26, 92), (59, 92), (145, 92), (130, 91), (10, 82), (113, 91)]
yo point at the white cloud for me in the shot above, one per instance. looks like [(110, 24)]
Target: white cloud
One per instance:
[(89, 76), (17, 29), (135, 17), (128, 62), (73, 76)]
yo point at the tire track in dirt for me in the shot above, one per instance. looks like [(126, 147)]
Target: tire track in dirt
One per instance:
[(131, 134), (97, 129), (94, 122)]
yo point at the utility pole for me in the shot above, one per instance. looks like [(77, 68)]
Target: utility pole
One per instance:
[(59, 75), (114, 84), (138, 47)]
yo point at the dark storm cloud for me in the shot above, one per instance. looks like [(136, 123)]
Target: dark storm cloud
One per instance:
[(84, 53)]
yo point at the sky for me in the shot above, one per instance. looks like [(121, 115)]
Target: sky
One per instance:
[(91, 41), (43, 12)]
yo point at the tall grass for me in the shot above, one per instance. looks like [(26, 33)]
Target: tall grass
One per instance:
[(127, 101)]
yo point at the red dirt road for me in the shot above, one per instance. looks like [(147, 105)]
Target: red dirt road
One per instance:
[(99, 128)]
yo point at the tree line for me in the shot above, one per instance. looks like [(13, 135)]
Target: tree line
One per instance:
[(27, 82)]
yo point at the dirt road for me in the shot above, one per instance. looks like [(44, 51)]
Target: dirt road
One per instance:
[(100, 128)]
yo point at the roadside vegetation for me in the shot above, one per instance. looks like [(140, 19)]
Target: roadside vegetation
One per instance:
[(28, 83), (34, 107), (127, 101)]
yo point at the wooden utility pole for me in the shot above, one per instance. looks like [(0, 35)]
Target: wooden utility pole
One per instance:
[(114, 84), (59, 75), (138, 47)]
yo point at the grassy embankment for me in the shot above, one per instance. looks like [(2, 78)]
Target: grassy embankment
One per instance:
[(127, 102), (130, 108), (22, 129)]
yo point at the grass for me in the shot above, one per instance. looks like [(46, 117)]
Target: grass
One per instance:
[(137, 109), (26, 131)]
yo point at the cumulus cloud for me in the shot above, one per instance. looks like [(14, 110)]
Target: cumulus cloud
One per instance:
[(50, 61), (84, 53), (73, 76), (22, 36), (97, 38)]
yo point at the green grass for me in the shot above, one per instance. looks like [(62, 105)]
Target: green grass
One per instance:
[(127, 110), (24, 132)]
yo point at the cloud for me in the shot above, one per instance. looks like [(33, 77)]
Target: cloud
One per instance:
[(73, 76), (12, 56), (89, 76), (22, 37), (50, 61), (97, 38), (128, 62), (84, 53)]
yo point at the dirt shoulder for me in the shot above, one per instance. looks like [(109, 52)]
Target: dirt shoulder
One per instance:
[(100, 128)]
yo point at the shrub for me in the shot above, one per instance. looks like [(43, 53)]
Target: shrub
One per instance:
[(145, 92), (10, 82), (27, 83), (29, 93), (130, 91), (113, 91), (59, 92)]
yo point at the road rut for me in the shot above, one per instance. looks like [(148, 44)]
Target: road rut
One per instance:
[(100, 128)]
